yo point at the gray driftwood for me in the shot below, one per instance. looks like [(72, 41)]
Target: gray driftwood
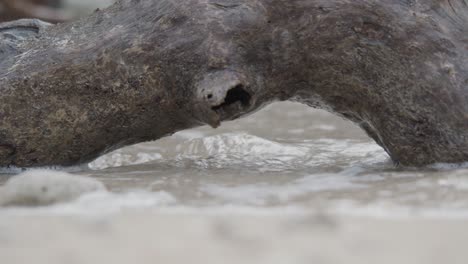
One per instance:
[(144, 69)]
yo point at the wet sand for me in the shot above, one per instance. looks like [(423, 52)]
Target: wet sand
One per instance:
[(141, 237)]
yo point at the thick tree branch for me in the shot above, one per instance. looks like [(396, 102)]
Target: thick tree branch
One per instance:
[(144, 69)]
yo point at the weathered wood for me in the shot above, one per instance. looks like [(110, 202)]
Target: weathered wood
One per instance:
[(143, 69)]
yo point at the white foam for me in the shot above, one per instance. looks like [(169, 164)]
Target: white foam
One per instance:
[(120, 158), (261, 194), (386, 210), (239, 144), (458, 180), (17, 170), (448, 166), (101, 203), (44, 187)]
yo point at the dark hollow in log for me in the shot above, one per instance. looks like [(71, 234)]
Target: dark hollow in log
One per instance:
[(144, 69)]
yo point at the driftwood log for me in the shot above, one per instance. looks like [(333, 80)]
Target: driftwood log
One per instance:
[(144, 69)]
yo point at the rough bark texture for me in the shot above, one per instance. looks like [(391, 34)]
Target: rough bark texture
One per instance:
[(143, 69)]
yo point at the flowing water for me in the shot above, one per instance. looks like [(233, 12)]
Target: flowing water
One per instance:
[(288, 184)]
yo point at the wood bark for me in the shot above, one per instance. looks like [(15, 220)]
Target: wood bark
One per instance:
[(144, 69)]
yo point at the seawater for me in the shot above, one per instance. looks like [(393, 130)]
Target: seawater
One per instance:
[(286, 156), (288, 184)]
